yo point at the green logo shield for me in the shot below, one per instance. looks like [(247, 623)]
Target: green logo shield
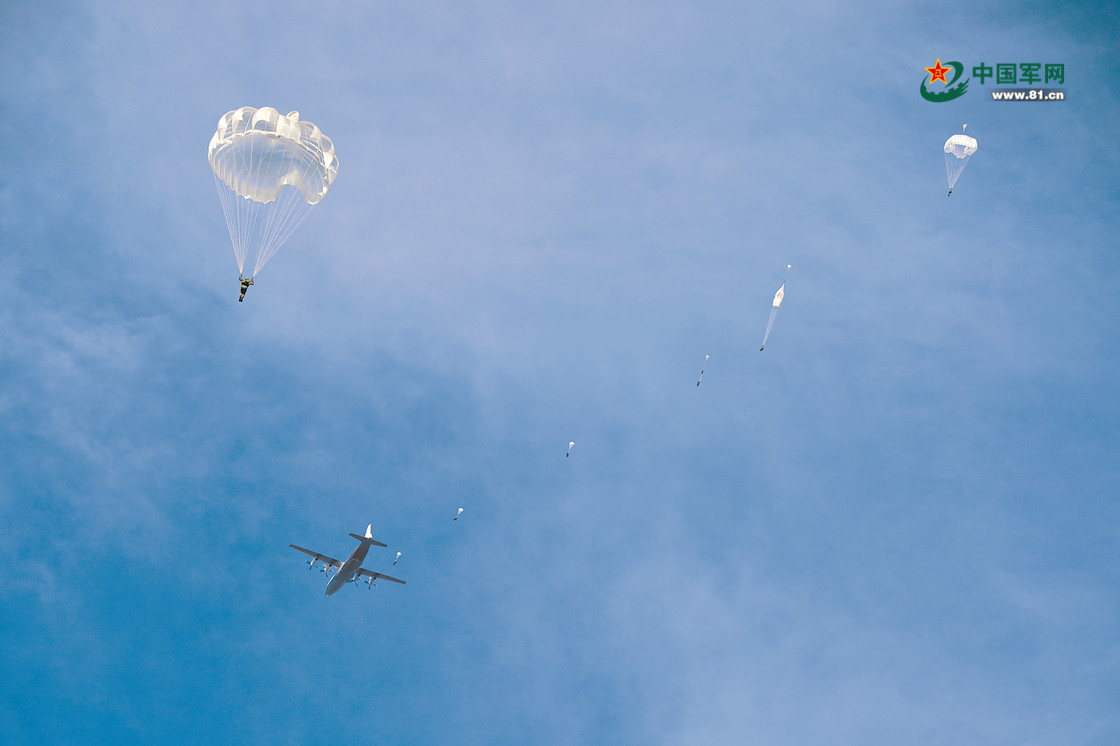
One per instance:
[(953, 91)]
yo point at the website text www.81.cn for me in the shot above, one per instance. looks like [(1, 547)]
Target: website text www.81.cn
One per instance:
[(1029, 94)]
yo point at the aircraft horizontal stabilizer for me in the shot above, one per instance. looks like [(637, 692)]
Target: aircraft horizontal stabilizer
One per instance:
[(368, 540)]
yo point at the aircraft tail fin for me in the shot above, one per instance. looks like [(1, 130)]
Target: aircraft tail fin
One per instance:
[(368, 538)]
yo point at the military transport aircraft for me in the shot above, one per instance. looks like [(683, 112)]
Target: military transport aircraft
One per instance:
[(351, 570)]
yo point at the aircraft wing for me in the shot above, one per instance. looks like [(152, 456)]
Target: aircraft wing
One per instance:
[(318, 557), (364, 573)]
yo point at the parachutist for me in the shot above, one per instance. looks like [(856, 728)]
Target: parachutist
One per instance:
[(950, 194), (778, 297), (244, 287), (256, 154), (958, 149)]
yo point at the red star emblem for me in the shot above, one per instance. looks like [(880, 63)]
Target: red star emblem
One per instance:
[(937, 72)]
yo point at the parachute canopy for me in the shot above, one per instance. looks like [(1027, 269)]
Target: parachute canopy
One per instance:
[(961, 146), (958, 149), (257, 152), (270, 170)]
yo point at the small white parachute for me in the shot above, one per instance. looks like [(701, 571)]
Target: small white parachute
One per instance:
[(399, 555), (455, 518), (958, 149), (702, 369), (570, 444)]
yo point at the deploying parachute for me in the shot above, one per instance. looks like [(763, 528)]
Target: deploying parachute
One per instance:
[(270, 170), (958, 149), (778, 297)]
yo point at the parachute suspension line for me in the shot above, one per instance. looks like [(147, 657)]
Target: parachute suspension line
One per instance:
[(225, 194), (291, 210), (769, 325), (242, 216)]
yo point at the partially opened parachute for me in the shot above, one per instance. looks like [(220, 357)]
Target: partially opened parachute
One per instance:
[(270, 170), (774, 306), (958, 149)]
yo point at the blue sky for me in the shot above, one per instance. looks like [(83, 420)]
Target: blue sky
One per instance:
[(898, 524)]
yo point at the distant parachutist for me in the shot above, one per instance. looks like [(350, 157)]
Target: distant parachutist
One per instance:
[(778, 296), (958, 149), (454, 519), (244, 287), (570, 444), (399, 554), (702, 369)]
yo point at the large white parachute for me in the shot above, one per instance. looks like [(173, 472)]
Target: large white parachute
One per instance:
[(270, 170), (958, 149)]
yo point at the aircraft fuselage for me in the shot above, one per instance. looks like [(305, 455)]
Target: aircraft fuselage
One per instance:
[(349, 569)]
